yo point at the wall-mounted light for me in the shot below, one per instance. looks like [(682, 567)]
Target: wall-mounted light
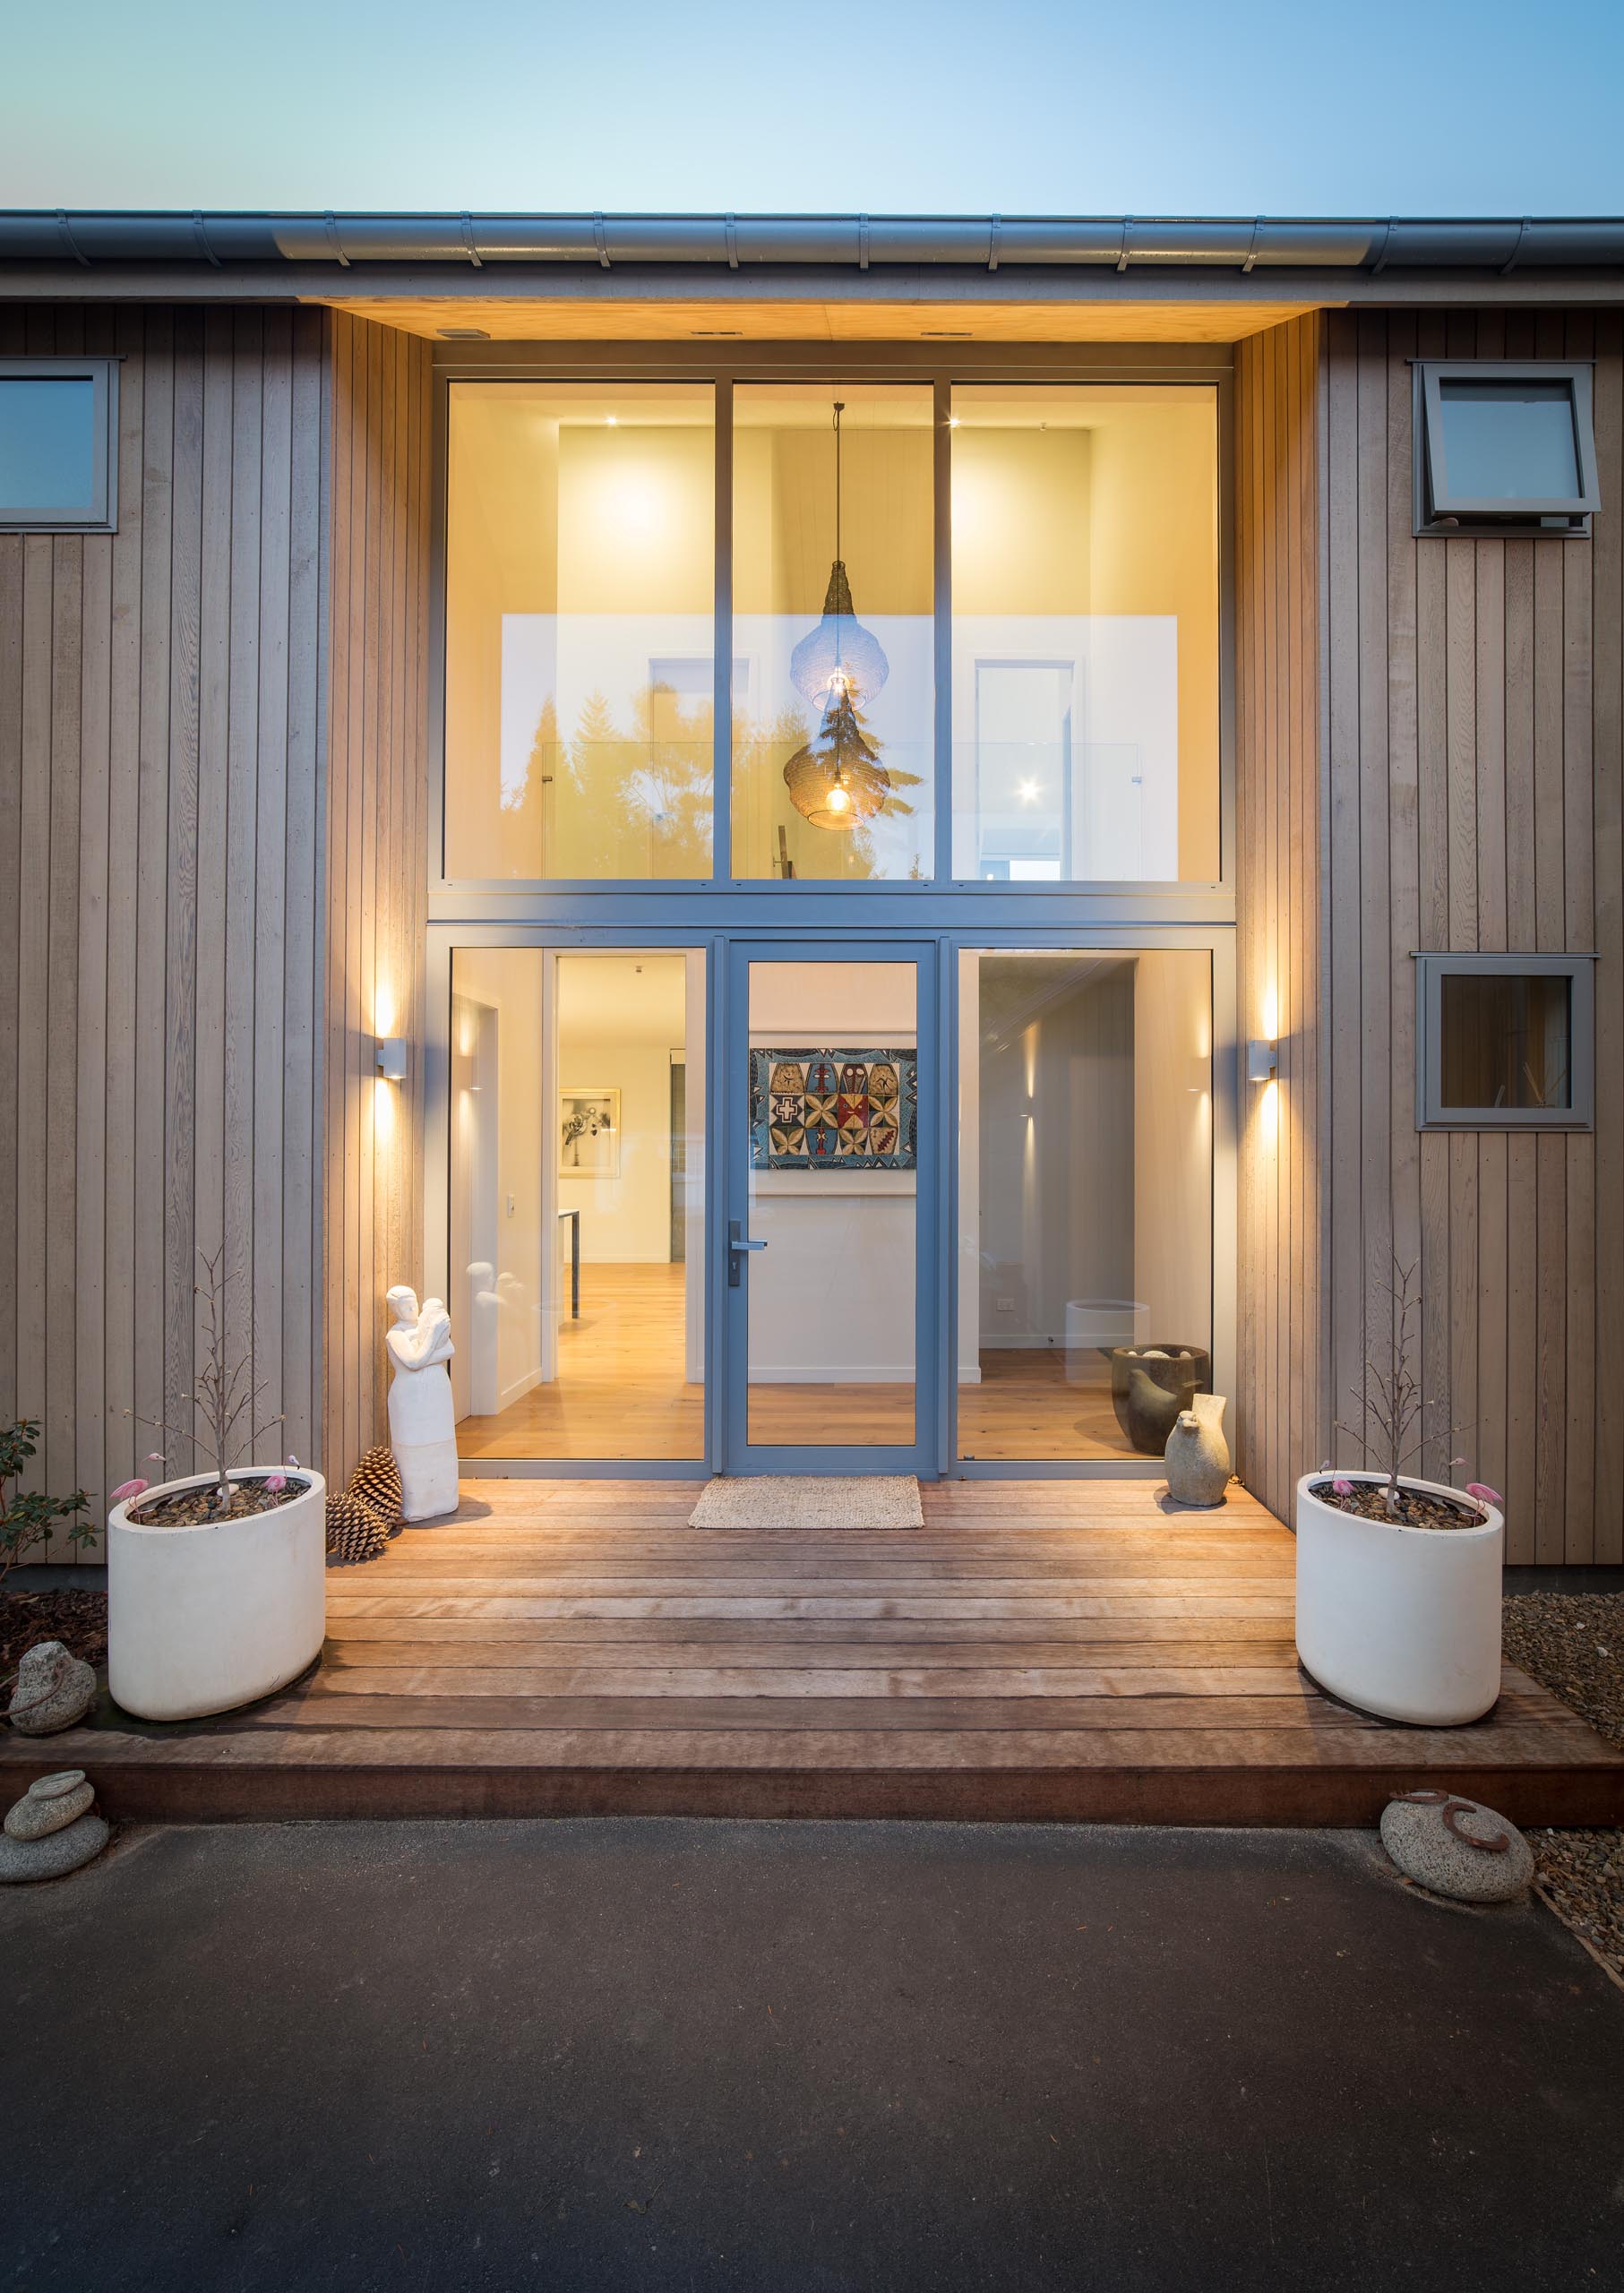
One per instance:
[(394, 1058), (1262, 1059)]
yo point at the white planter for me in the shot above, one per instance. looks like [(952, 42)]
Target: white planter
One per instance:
[(202, 1620), (1402, 1622)]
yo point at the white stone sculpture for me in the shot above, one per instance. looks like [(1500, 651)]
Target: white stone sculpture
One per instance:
[(422, 1416)]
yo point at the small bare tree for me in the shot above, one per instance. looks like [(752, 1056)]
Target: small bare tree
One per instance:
[(1392, 1400), (223, 1396)]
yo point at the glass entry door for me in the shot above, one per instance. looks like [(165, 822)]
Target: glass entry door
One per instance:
[(829, 1263)]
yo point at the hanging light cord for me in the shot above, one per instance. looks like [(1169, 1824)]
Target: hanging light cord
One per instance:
[(840, 411)]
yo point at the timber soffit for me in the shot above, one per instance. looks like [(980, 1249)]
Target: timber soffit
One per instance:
[(93, 252)]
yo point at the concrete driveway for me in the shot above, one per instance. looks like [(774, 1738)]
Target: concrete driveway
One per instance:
[(597, 2055)]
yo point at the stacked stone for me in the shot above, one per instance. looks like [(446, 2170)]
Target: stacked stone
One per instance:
[(51, 1831)]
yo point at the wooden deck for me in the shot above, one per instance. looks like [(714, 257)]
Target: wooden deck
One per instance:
[(1042, 1650)]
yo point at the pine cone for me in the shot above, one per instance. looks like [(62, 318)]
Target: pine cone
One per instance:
[(377, 1482), (353, 1531)]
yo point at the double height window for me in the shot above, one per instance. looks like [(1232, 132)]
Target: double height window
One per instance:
[(830, 613)]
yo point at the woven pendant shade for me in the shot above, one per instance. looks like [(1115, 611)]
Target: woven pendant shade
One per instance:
[(837, 780)]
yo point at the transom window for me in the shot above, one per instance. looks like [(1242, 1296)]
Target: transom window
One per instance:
[(824, 613)]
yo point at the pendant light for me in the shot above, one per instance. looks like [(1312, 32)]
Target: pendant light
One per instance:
[(836, 780), (839, 648)]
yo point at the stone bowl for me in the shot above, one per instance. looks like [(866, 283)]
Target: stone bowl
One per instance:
[(1151, 1384)]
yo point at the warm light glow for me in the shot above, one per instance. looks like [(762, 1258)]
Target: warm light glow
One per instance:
[(1268, 1111), (952, 422), (1271, 1016), (612, 421), (837, 800), (382, 1011), (383, 1108)]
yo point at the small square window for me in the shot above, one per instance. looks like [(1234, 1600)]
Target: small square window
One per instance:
[(1505, 1042), (1504, 449), (58, 445)]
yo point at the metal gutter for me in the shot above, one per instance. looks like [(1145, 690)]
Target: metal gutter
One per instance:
[(92, 238)]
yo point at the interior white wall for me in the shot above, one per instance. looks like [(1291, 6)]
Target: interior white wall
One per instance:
[(506, 983), (832, 1297), (1172, 1134), (1057, 1141), (620, 1017), (695, 1101), (969, 1167)]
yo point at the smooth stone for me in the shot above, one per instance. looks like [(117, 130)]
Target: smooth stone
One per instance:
[(1426, 1849), (53, 1690), (38, 1813), (53, 1787), (54, 1857)]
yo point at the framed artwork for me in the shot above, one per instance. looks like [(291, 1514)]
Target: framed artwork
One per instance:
[(834, 1110), (589, 1135)]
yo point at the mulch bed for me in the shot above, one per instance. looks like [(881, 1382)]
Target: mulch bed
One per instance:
[(79, 1619), (1574, 1643)]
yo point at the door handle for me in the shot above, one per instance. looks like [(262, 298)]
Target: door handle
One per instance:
[(738, 1242)]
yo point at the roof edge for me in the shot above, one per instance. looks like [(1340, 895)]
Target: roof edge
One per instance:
[(94, 236)]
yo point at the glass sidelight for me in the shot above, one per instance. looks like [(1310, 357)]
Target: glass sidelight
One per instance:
[(577, 1226), (1085, 1199), (829, 1302)]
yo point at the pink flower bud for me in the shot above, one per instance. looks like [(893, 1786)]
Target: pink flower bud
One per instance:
[(127, 1491), (1485, 1495), (276, 1482), (1343, 1486), (292, 1461)]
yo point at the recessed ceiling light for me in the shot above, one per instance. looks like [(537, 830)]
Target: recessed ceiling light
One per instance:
[(732, 333), (463, 334), (945, 333)]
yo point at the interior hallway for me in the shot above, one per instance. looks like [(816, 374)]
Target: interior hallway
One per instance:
[(620, 1393)]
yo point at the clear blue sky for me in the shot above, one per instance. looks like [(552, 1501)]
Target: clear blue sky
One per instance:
[(1441, 107)]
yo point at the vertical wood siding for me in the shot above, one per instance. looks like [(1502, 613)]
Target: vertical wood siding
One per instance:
[(1281, 830), (1472, 786), (159, 778), (377, 857)]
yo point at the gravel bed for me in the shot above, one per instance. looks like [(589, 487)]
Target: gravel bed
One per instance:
[(1574, 1643)]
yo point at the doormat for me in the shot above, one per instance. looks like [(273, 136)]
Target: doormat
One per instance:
[(776, 1501)]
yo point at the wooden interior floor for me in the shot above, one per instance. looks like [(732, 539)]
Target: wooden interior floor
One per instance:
[(1039, 1650), (620, 1393)]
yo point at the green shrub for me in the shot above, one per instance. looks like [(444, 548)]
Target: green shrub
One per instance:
[(28, 1516)]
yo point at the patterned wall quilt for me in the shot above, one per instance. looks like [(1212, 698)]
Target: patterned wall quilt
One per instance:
[(834, 1110)]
